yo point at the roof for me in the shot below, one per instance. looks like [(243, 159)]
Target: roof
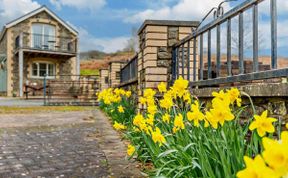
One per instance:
[(34, 12), (168, 23)]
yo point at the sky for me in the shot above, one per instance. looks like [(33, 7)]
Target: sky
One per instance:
[(107, 25)]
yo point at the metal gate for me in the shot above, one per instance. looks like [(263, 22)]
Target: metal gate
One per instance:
[(3, 75), (75, 90)]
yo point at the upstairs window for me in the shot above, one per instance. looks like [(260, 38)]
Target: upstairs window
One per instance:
[(43, 36), (40, 69)]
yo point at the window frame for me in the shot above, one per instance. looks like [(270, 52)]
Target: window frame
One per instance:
[(43, 35), (47, 70)]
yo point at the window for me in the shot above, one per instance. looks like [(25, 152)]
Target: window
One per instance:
[(43, 36), (41, 68)]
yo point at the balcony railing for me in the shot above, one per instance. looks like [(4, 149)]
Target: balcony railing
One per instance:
[(189, 54), (129, 71), (46, 43)]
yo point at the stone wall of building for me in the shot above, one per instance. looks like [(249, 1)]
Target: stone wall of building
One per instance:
[(3, 45)]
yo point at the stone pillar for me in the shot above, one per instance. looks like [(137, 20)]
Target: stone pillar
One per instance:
[(155, 50), (114, 73), (103, 79), (20, 58)]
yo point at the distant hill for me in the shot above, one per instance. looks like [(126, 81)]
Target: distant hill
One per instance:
[(94, 54), (93, 61)]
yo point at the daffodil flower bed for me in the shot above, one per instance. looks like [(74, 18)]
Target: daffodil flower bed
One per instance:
[(183, 138)]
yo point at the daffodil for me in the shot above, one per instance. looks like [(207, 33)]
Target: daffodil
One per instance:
[(162, 87), (120, 109), (166, 118), (180, 86), (149, 93), (263, 124), (130, 150), (150, 119), (152, 109), (234, 96), (119, 126), (196, 115), (276, 154), (256, 169), (287, 125), (178, 123), (138, 119), (128, 94), (157, 137)]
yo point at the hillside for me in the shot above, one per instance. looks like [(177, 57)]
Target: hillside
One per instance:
[(90, 66)]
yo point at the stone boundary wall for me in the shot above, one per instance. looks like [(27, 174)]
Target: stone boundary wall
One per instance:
[(103, 78)]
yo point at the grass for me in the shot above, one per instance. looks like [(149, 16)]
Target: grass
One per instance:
[(89, 72), (38, 109)]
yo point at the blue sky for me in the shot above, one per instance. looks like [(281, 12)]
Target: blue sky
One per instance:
[(107, 24)]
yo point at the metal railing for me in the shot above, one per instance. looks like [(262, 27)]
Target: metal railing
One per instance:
[(188, 64), (129, 72), (46, 43)]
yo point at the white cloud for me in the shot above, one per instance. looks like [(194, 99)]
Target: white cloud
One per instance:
[(183, 10), (79, 4), (90, 42), (11, 9)]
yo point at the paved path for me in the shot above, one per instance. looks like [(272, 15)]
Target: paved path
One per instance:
[(69, 144)]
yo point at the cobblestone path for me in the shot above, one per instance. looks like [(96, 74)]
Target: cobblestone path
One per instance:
[(68, 150)]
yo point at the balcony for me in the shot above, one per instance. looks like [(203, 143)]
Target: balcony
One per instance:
[(46, 45)]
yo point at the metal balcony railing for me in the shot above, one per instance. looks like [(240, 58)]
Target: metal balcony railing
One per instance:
[(129, 72), (46, 43), (189, 53)]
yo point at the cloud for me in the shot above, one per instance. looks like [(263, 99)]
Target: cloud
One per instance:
[(183, 10), (108, 45), (12, 9), (79, 4)]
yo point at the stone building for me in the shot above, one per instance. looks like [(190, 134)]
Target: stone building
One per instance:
[(34, 45)]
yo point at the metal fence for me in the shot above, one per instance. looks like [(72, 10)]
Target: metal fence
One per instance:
[(188, 54), (128, 73), (71, 90)]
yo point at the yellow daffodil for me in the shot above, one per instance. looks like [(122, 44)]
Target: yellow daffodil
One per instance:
[(152, 109), (162, 87), (128, 94), (138, 119), (220, 95), (234, 96), (196, 115), (180, 86), (142, 100), (166, 118), (149, 93), (120, 109), (256, 169), (178, 123), (130, 150), (167, 101), (119, 126), (157, 137), (150, 119), (276, 154), (187, 97), (287, 125), (263, 124)]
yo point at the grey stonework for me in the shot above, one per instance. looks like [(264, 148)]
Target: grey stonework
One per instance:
[(3, 45)]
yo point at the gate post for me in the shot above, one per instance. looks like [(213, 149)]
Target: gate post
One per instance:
[(155, 64)]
